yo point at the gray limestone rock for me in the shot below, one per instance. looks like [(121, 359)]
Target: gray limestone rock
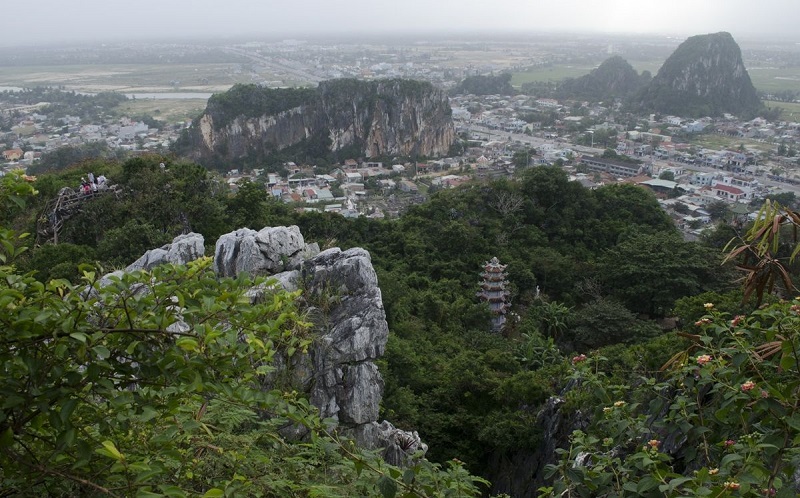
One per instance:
[(343, 288), (399, 446), (181, 250), (268, 251), (343, 301)]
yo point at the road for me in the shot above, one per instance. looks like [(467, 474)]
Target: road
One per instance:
[(278, 65), (479, 130)]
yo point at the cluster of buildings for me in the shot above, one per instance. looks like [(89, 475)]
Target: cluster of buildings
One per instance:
[(355, 188), (33, 134)]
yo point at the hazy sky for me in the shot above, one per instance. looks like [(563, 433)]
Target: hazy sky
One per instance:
[(44, 21)]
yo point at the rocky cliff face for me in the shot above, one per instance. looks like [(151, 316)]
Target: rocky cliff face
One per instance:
[(390, 117), (704, 76), (342, 298)]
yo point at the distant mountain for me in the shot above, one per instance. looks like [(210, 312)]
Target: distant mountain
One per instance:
[(485, 85), (249, 125), (614, 78), (705, 76)]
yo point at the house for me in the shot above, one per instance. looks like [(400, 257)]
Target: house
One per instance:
[(408, 186), (658, 186), (728, 192), (702, 179), (353, 177), (616, 168), (12, 154)]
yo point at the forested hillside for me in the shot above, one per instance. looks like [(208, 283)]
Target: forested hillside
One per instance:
[(592, 274)]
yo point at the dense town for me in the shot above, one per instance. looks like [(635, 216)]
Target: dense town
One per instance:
[(701, 169)]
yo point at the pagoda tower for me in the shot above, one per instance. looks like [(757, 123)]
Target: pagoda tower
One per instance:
[(493, 291)]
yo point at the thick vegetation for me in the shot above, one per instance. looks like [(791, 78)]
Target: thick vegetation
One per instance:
[(253, 101), (149, 385), (590, 273)]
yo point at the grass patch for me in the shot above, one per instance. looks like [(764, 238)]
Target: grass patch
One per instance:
[(791, 110), (166, 110), (716, 142), (129, 77), (772, 79)]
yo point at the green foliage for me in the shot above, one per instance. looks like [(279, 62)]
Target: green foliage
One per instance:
[(667, 175), (14, 193), (59, 261), (689, 309), (121, 246), (727, 423), (471, 394), (252, 101), (605, 322), (679, 268), (253, 207), (149, 386)]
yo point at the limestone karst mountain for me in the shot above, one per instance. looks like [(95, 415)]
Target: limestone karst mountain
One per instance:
[(387, 117), (705, 76), (614, 78)]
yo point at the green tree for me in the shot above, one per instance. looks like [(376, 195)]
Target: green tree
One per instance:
[(719, 210), (649, 272), (150, 386)]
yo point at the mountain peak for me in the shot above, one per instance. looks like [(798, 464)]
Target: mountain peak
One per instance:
[(704, 76)]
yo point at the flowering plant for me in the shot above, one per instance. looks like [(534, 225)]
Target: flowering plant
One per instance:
[(721, 419)]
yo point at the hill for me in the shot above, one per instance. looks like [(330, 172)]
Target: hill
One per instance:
[(250, 125), (614, 78), (705, 76)]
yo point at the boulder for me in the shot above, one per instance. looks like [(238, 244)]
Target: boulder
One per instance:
[(181, 250), (266, 252)]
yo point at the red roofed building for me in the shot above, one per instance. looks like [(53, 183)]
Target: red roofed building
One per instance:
[(728, 192), (12, 154)]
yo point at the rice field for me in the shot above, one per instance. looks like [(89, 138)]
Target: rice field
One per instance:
[(765, 79)]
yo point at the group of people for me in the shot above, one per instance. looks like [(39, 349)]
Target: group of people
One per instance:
[(93, 184)]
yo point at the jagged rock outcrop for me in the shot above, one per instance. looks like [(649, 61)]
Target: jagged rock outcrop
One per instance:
[(705, 76), (181, 250), (338, 374), (388, 117), (266, 252), (522, 473)]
